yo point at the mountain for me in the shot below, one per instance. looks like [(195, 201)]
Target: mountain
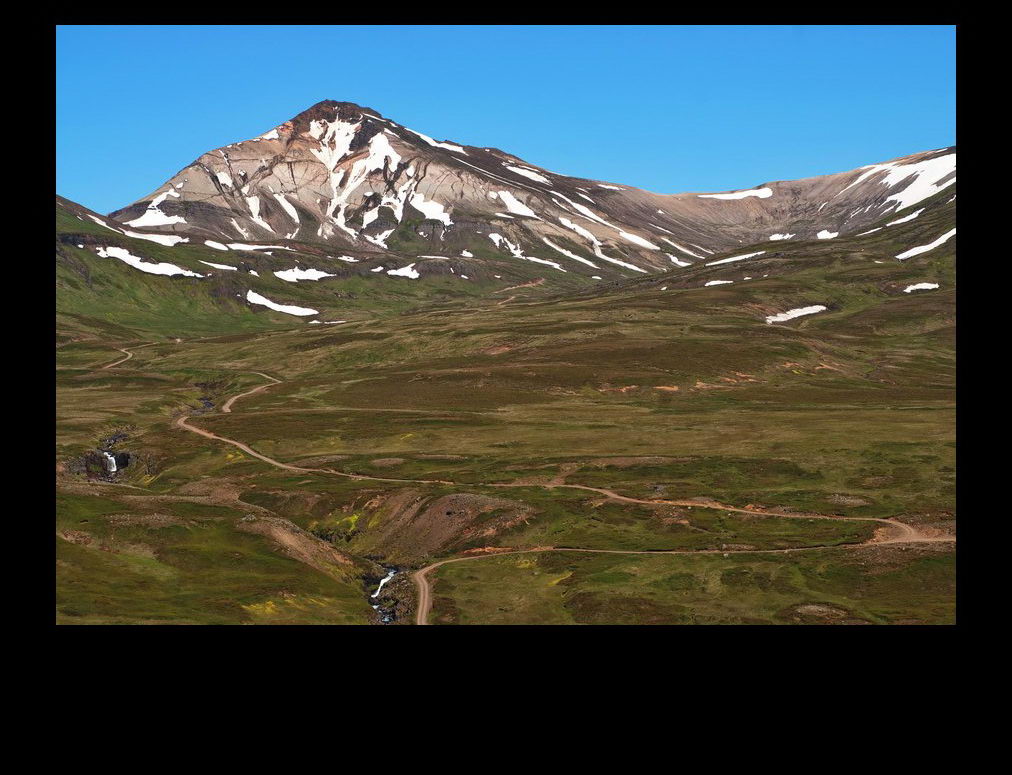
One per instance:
[(752, 423), (340, 177)]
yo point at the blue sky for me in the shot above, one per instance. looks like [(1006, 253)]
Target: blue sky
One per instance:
[(668, 109)]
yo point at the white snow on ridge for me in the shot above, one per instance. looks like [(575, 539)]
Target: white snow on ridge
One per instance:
[(775, 237), (588, 213), (925, 248), (826, 234), (152, 216), (613, 188), (761, 193), (168, 240), (288, 207), (735, 258), (676, 262), (405, 271), (381, 238), (637, 240), (244, 246), (684, 250), (514, 205), (905, 218), (518, 252), (870, 231), (100, 222), (795, 313), (926, 175), (920, 287), (138, 263), (216, 245), (567, 253), (528, 173), (434, 144), (718, 282), (254, 208), (298, 273), (431, 209), (239, 228), (218, 266), (596, 245), (255, 298)]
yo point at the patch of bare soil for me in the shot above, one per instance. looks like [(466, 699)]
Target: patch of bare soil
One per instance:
[(531, 284), (606, 388), (77, 537), (847, 500), (818, 613), (700, 385), (292, 541), (321, 460), (146, 520), (629, 462), (419, 526), (387, 462)]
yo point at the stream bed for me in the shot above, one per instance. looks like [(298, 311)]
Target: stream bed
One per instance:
[(386, 615)]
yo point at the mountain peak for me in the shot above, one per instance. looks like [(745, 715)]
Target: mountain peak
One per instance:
[(330, 109)]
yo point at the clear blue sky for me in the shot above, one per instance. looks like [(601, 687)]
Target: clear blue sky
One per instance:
[(668, 109)]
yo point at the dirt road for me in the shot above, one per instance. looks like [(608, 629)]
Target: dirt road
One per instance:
[(903, 534), (899, 532), (129, 355), (227, 406)]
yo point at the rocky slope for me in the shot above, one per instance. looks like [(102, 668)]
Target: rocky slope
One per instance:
[(339, 177)]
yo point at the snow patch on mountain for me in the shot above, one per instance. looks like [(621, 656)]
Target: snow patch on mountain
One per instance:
[(137, 262), (926, 176), (761, 193), (735, 258), (925, 248), (514, 205), (905, 218), (527, 172), (298, 273), (435, 144), (289, 309), (405, 271), (795, 313), (153, 216), (568, 253), (518, 252)]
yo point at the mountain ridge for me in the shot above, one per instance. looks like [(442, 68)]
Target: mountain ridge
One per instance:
[(342, 175)]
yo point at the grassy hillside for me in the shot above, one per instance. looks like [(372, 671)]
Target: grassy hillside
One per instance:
[(656, 388)]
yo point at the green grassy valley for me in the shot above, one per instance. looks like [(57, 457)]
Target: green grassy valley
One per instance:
[(724, 470)]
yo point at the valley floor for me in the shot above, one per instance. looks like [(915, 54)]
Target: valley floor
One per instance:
[(564, 462)]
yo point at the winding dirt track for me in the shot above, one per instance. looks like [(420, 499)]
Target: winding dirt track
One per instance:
[(900, 532), (227, 406), (129, 355)]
